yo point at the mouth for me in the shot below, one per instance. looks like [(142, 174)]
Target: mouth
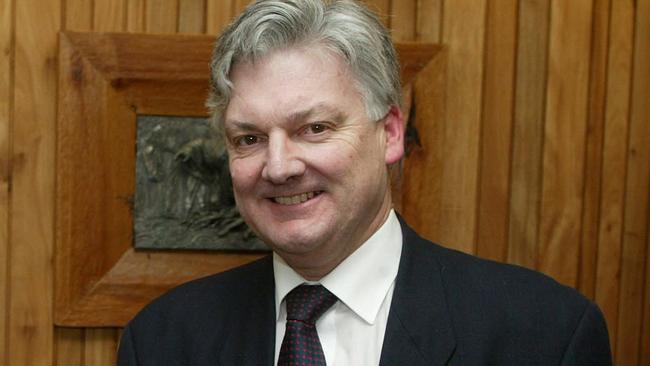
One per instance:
[(295, 199)]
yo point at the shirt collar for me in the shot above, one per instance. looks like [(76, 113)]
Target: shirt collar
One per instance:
[(362, 280)]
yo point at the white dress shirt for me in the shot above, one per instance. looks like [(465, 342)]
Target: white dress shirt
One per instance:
[(352, 330)]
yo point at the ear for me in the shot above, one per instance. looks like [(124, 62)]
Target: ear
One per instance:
[(394, 134)]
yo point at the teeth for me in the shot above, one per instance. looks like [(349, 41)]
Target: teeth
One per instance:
[(294, 200)]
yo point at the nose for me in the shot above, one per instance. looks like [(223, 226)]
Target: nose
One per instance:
[(283, 160)]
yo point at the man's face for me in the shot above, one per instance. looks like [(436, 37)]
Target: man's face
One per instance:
[(308, 166)]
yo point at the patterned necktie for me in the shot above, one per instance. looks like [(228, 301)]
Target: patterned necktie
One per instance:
[(301, 346)]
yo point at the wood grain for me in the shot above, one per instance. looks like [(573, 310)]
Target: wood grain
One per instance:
[(218, 14), (402, 24), (496, 130), (191, 16), (429, 20), (78, 15), (6, 108), (423, 166), (645, 327), (564, 144), (612, 202), (528, 132), (594, 148), (162, 16), (135, 15), (30, 337), (70, 344), (637, 205), (100, 347), (109, 15), (464, 29), (240, 5)]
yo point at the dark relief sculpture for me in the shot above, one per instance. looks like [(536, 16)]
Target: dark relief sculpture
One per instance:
[(183, 195)]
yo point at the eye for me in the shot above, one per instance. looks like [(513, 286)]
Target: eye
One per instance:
[(246, 140), (316, 128)]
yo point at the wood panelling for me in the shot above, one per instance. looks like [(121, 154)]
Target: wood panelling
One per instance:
[(527, 142), (162, 16), (594, 148), (614, 162), (191, 16), (29, 329), (218, 15), (496, 130), (541, 152), (6, 101), (564, 139), (464, 35), (109, 15), (637, 194), (428, 21), (135, 13)]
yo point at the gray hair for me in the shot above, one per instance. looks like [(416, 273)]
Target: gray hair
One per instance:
[(344, 27)]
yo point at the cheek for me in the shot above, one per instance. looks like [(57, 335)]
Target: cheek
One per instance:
[(243, 174), (333, 160)]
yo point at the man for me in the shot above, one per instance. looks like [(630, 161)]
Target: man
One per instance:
[(307, 94)]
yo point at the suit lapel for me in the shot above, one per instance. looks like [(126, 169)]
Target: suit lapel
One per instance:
[(251, 336), (419, 329)]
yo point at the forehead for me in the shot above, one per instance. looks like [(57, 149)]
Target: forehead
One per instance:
[(292, 80)]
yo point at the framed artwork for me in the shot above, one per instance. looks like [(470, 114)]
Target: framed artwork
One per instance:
[(142, 199)]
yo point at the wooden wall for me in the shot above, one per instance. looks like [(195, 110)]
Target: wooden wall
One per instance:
[(544, 151)]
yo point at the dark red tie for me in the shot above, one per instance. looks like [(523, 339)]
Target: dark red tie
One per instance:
[(301, 346)]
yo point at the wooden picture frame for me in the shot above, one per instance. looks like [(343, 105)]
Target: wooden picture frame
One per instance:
[(105, 81)]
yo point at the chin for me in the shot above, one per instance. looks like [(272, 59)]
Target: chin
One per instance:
[(294, 242)]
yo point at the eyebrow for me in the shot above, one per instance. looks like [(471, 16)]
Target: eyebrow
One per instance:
[(330, 112), (239, 125), (319, 109)]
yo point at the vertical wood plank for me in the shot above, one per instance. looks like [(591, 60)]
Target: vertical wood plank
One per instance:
[(594, 148), (564, 144), (162, 16), (403, 20), (645, 330), (240, 5), (630, 315), (69, 347), (191, 16), (464, 26), (109, 15), (429, 20), (135, 12), (78, 15), (218, 14), (528, 132), (30, 338), (610, 227), (6, 97), (100, 347), (496, 135)]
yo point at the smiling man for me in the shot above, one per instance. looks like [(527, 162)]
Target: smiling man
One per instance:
[(306, 94)]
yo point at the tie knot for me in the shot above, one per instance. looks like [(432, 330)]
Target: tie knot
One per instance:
[(307, 303)]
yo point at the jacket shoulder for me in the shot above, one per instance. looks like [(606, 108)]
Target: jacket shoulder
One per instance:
[(508, 311), (208, 300)]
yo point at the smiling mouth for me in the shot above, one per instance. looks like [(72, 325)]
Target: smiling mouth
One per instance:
[(296, 199)]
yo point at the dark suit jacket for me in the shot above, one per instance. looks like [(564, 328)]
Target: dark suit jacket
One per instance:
[(448, 308)]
